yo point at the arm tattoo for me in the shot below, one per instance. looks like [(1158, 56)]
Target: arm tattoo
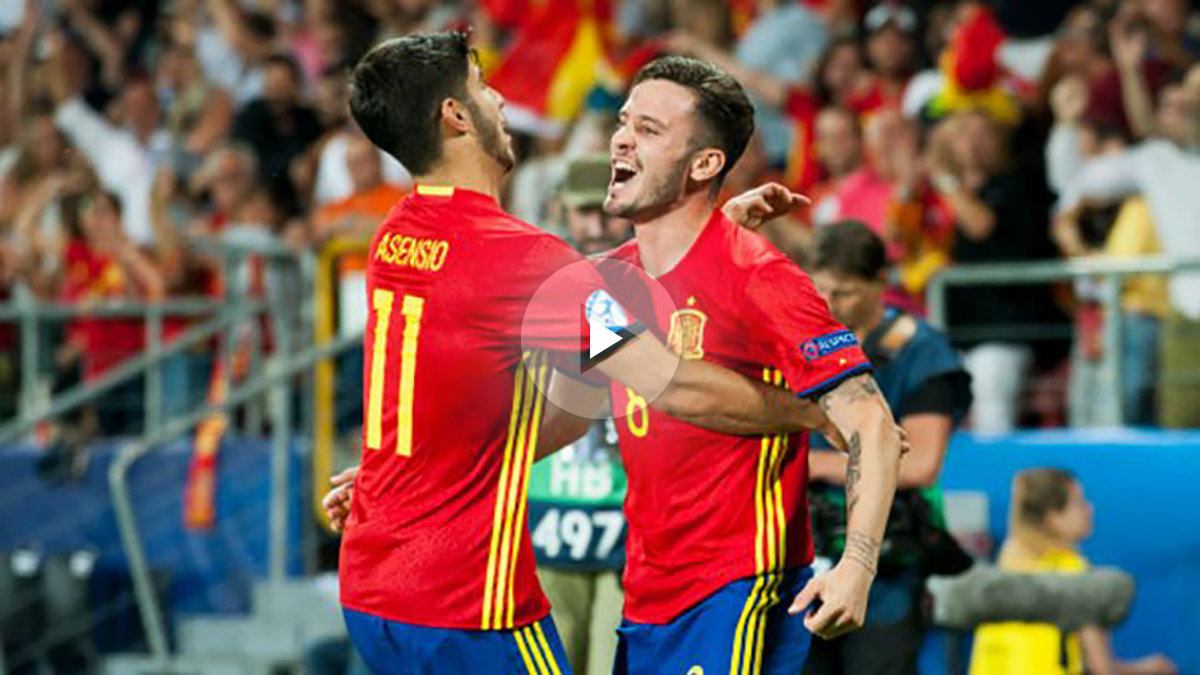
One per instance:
[(856, 388), (853, 471), (863, 550)]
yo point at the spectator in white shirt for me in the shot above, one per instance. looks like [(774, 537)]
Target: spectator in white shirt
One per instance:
[(127, 157)]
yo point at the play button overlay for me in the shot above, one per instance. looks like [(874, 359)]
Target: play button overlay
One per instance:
[(608, 329), (585, 315)]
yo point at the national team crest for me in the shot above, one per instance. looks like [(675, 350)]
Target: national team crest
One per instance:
[(686, 337)]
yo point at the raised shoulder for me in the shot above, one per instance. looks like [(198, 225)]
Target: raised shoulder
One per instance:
[(748, 250)]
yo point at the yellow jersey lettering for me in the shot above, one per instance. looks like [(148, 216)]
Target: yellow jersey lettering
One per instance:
[(427, 255), (420, 251), (442, 248), (400, 250), (381, 250)]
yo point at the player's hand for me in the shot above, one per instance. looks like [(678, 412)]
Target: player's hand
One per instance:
[(754, 208), (836, 602), (337, 501)]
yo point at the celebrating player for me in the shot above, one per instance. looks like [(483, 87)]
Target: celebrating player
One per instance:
[(437, 574), (718, 524)]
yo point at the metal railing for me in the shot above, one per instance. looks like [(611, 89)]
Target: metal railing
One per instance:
[(272, 377), (233, 310), (280, 369), (1113, 271)]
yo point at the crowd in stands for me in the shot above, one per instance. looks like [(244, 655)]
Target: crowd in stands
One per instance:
[(959, 131)]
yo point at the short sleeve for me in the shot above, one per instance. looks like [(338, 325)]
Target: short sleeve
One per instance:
[(814, 351)]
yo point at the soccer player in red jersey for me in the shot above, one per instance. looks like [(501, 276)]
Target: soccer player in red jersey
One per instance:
[(437, 573), (718, 524)]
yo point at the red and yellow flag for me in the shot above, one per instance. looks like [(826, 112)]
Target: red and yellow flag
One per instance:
[(553, 59)]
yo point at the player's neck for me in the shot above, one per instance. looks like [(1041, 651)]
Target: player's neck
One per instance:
[(666, 239), (467, 173)]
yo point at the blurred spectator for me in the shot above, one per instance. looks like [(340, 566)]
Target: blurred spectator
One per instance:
[(1117, 230), (279, 126), (358, 215), (41, 155), (220, 185), (40, 234), (1078, 53), (864, 194), (103, 263), (333, 34), (1049, 518), (1164, 170), (839, 150), (923, 380), (199, 115), (1166, 22), (917, 225), (323, 176), (126, 157), (785, 42), (1144, 305), (891, 30), (233, 48), (589, 229), (841, 79), (993, 223)]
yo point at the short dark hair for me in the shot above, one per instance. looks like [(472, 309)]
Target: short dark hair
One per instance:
[(397, 89), (850, 248), (396, 94), (260, 25), (286, 61), (721, 103)]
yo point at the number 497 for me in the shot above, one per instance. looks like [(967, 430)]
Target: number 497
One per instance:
[(576, 530)]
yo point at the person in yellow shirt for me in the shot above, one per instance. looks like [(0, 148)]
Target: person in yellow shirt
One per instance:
[(1049, 518), (1144, 306)]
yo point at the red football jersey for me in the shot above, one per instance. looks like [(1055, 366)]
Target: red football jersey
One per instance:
[(437, 530), (705, 509)]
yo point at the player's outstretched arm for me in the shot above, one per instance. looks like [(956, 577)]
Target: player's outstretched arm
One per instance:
[(710, 396), (560, 427), (875, 443)]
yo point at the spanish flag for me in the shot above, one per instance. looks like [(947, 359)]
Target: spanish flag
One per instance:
[(553, 58)]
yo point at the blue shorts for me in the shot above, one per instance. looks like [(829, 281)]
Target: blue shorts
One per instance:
[(394, 648), (742, 628)]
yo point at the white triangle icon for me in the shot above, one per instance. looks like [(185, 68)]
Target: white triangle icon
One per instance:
[(601, 338)]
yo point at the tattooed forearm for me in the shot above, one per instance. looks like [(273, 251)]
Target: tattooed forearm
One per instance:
[(853, 471), (863, 550), (854, 389)]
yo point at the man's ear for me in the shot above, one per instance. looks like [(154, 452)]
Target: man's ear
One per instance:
[(706, 165), (455, 116)]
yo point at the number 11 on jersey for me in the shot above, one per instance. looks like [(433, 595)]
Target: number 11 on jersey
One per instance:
[(411, 307)]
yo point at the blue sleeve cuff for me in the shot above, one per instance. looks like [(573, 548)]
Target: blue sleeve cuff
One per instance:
[(833, 382)]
